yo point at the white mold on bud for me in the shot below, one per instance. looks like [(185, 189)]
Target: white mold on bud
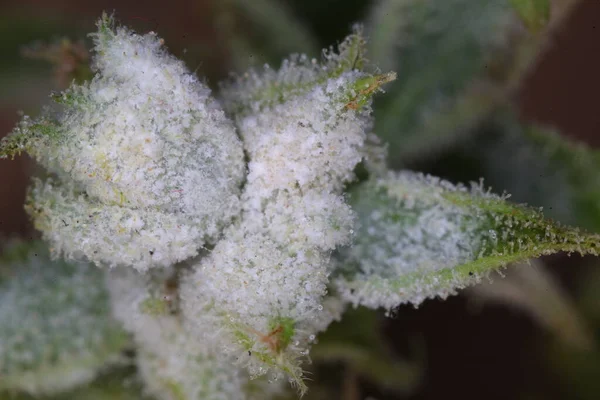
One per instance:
[(172, 364), (79, 226), (309, 141), (303, 129), (144, 136), (420, 237)]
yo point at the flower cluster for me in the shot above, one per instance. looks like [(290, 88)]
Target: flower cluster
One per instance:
[(229, 233), (145, 169)]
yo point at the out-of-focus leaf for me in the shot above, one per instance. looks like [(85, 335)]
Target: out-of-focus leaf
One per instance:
[(561, 9), (419, 237), (261, 31), (71, 60), (532, 289), (33, 83), (119, 384), (18, 28), (542, 168), (576, 370), (110, 388), (456, 60), (357, 342), (587, 295), (56, 327), (534, 13)]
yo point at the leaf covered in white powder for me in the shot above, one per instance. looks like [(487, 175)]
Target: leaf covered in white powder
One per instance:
[(56, 327), (420, 237)]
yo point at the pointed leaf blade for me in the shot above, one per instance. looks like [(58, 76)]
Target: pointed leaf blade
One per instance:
[(420, 237)]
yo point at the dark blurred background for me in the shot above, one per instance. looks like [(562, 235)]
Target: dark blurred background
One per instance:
[(490, 353)]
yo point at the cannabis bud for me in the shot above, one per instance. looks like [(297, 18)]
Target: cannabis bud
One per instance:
[(245, 221), (145, 166)]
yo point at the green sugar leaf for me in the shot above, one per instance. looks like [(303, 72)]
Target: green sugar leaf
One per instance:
[(259, 90), (31, 136), (419, 237)]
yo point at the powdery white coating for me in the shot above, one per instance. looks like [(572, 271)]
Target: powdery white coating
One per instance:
[(236, 295), (78, 226), (145, 132), (261, 278), (377, 292), (407, 226), (275, 262), (303, 219), (334, 307), (184, 376), (422, 237), (312, 140), (56, 329), (256, 91), (172, 363), (375, 155), (154, 154)]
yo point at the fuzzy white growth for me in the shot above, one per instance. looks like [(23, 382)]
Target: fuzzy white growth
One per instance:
[(108, 234), (149, 130), (311, 141), (173, 365), (375, 155), (182, 375), (144, 135), (56, 328), (420, 237), (268, 277), (412, 229)]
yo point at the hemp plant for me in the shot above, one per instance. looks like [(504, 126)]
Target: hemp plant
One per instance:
[(216, 236)]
